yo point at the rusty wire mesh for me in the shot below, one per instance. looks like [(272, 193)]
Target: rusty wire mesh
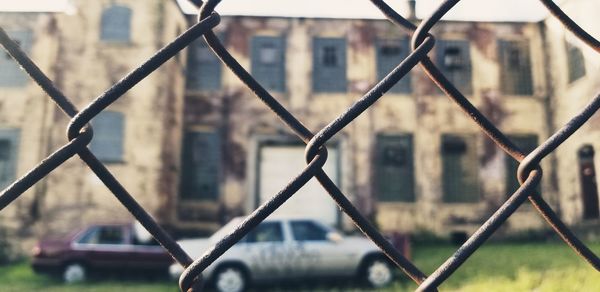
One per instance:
[(529, 172)]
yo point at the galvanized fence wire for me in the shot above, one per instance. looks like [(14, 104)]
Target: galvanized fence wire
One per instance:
[(79, 135)]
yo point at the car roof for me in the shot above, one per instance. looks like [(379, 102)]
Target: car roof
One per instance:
[(282, 218)]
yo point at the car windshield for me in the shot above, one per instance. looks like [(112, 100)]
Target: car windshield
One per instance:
[(228, 228)]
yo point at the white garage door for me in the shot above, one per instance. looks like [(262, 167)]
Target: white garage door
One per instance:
[(279, 165)]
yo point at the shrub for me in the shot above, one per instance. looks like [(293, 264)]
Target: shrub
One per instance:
[(8, 252)]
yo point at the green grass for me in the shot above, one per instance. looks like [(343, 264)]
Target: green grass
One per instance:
[(495, 267), (20, 277), (512, 267)]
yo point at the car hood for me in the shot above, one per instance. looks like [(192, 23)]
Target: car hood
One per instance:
[(195, 247), (359, 242)]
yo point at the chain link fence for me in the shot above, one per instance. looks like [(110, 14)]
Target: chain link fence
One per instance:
[(529, 172)]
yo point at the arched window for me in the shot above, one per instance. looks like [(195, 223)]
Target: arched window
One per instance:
[(115, 25)]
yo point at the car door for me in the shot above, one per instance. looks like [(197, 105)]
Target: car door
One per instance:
[(315, 253), (263, 249), (147, 254), (104, 246)]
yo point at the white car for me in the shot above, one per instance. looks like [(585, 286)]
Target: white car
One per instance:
[(285, 248)]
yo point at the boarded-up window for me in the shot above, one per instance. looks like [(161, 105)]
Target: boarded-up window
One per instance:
[(329, 65), (203, 67), (200, 161), (268, 61), (390, 53), (459, 167), (576, 62), (11, 74), (525, 142), (115, 24), (515, 76), (454, 61), (394, 177), (107, 143), (9, 144)]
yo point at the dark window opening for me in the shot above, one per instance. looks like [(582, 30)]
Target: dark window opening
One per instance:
[(459, 168), (588, 182), (394, 170), (329, 56), (515, 74), (205, 55), (576, 62), (9, 140), (329, 65), (390, 50), (109, 133), (514, 58), (116, 24), (453, 59), (203, 69), (454, 145), (7, 56), (268, 54), (5, 169), (393, 156), (4, 150), (201, 158), (390, 53), (11, 73), (268, 61)]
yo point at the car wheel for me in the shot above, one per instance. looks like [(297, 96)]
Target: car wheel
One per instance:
[(377, 272), (74, 273), (230, 279)]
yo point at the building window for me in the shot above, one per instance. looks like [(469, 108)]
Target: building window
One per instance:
[(576, 62), (268, 61), (527, 143), (200, 166), (515, 75), (394, 178), (115, 25), (390, 53), (11, 74), (459, 169), (107, 143), (454, 61), (203, 67), (9, 145), (329, 65)]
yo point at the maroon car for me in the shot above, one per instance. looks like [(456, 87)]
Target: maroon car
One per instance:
[(107, 247)]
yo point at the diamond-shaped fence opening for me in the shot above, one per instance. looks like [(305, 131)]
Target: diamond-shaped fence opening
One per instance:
[(529, 172)]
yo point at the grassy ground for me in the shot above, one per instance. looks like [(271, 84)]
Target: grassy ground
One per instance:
[(495, 267), (513, 267)]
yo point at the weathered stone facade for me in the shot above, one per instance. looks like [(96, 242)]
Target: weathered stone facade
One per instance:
[(424, 112), (570, 94), (160, 111), (68, 48)]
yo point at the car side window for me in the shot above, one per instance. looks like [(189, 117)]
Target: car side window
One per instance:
[(308, 231), (89, 236), (266, 232), (103, 235)]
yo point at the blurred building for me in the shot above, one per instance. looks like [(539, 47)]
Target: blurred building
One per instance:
[(195, 147)]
